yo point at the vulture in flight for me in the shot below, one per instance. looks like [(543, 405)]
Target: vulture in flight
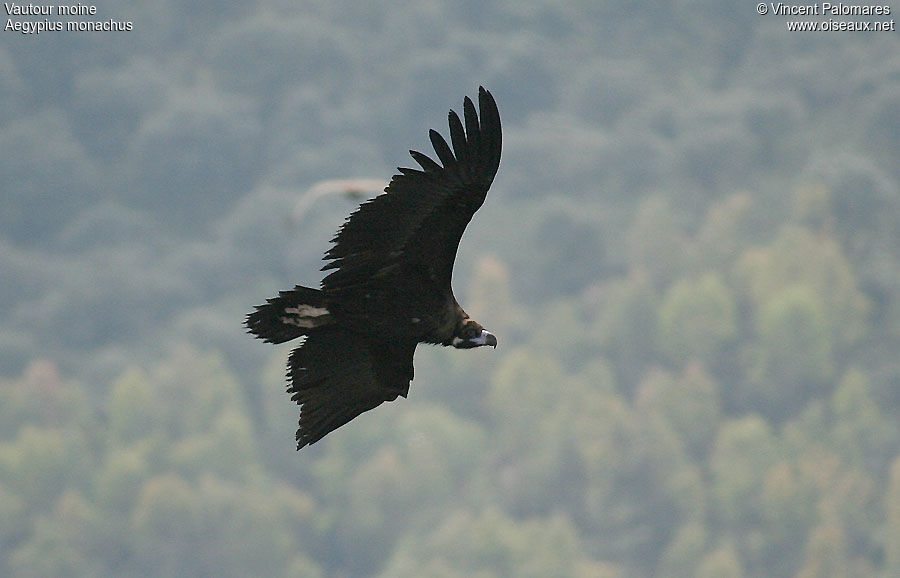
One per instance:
[(388, 289)]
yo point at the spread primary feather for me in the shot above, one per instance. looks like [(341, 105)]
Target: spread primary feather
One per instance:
[(389, 282)]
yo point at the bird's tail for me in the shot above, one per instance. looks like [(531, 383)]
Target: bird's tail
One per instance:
[(290, 315)]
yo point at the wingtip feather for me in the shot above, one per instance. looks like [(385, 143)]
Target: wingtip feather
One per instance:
[(444, 153)]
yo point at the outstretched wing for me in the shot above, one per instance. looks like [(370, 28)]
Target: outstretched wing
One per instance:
[(422, 214), (337, 375)]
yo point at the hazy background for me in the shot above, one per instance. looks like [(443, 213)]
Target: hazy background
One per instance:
[(690, 255)]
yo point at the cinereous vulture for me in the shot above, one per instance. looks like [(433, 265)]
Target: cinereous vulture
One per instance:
[(389, 289)]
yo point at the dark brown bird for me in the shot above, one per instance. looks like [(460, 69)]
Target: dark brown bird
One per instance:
[(389, 288)]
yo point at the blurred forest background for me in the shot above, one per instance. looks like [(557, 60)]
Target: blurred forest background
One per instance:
[(691, 258)]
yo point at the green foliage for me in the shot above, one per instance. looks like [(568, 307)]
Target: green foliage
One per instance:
[(626, 326), (41, 463), (148, 500), (744, 451), (690, 404), (130, 409), (721, 563), (214, 528), (696, 318), (556, 461), (655, 242), (861, 432), (794, 356), (690, 257), (490, 544), (892, 539), (681, 556), (62, 543), (794, 339), (799, 257)]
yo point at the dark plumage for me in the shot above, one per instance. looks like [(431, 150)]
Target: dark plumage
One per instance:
[(389, 287)]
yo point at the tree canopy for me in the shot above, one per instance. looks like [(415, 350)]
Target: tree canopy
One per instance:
[(690, 257)]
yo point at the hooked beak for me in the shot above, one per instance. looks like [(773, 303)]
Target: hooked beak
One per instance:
[(486, 338)]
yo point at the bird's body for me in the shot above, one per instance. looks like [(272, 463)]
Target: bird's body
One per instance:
[(389, 286)]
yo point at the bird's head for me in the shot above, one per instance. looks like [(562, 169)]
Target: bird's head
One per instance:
[(471, 334)]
